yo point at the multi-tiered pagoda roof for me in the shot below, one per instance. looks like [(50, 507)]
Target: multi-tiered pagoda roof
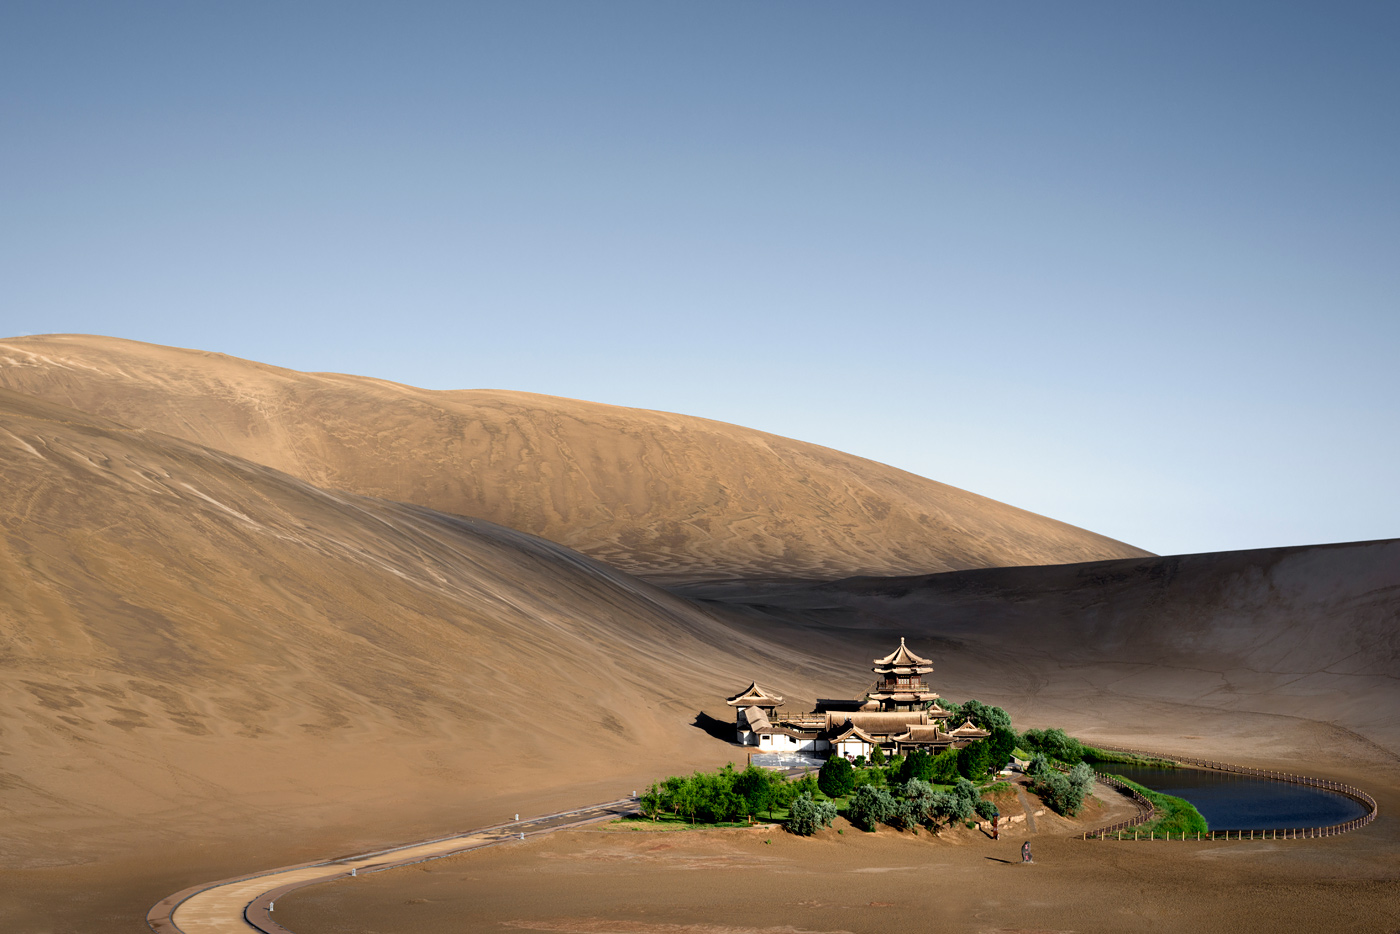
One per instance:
[(901, 685)]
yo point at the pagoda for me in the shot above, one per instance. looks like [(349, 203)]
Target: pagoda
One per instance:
[(901, 686)]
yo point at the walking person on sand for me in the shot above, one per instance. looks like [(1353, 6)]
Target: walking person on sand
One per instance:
[(1026, 852)]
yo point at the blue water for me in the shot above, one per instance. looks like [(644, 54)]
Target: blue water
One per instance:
[(1238, 802)]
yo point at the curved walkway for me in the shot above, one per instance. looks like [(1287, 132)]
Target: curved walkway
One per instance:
[(246, 903)]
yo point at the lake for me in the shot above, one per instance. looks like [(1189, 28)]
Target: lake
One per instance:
[(1238, 802)]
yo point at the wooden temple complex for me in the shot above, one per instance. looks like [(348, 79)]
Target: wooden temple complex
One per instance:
[(898, 713)]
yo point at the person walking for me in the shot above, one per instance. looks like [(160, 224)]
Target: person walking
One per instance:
[(1026, 852)]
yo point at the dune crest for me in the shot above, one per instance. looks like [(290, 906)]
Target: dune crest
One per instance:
[(668, 497)]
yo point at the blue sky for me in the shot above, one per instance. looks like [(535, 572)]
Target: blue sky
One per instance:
[(1134, 266)]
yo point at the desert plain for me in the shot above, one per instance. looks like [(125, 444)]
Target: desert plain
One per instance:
[(251, 617)]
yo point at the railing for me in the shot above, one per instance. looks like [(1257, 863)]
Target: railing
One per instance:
[(1145, 809), (1290, 833)]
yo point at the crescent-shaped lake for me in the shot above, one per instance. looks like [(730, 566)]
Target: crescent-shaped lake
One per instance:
[(1239, 802)]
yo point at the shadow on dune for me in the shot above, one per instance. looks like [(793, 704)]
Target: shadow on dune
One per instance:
[(719, 729)]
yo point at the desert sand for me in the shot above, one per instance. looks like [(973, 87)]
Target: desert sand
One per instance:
[(212, 666), (664, 496), (756, 882)]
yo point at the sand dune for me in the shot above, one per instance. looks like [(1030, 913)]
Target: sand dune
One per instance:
[(210, 666), (195, 646), (666, 496), (1307, 632)]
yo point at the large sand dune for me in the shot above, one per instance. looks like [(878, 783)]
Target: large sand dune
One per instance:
[(199, 654), (669, 497)]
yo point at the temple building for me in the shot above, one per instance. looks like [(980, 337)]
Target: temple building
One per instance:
[(899, 713)]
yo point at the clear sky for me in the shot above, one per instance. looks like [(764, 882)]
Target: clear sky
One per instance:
[(1132, 265)]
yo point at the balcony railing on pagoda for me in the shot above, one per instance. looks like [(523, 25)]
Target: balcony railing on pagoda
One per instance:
[(907, 687)]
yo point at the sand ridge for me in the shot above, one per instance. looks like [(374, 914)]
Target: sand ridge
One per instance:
[(669, 497)]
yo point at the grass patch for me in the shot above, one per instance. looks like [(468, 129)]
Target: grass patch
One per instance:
[(1092, 754), (674, 822), (1174, 815)]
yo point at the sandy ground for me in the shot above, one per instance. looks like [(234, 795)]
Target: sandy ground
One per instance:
[(656, 494), (727, 882)]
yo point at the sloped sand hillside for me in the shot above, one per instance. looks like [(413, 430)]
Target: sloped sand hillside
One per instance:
[(1311, 633), (208, 667), (669, 497)]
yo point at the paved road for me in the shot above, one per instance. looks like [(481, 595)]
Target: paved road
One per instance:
[(240, 906)]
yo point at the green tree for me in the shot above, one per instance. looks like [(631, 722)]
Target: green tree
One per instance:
[(837, 778), (756, 789), (1055, 743), (918, 764), (985, 716), (869, 806), (877, 756), (974, 758), (651, 801), (986, 809), (945, 767), (1002, 744)]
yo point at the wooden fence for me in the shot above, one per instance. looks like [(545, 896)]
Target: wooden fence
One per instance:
[(1117, 831)]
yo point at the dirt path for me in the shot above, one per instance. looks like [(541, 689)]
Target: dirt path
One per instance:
[(237, 906), (1026, 807)]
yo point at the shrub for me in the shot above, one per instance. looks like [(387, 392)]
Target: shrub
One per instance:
[(986, 809), (837, 778), (1063, 793), (869, 806), (965, 798), (806, 815), (917, 796), (941, 807)]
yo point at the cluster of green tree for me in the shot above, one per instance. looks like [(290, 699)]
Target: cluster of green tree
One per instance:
[(725, 795), (983, 715), (1054, 744), (1174, 815), (1064, 793), (914, 803), (973, 761)]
